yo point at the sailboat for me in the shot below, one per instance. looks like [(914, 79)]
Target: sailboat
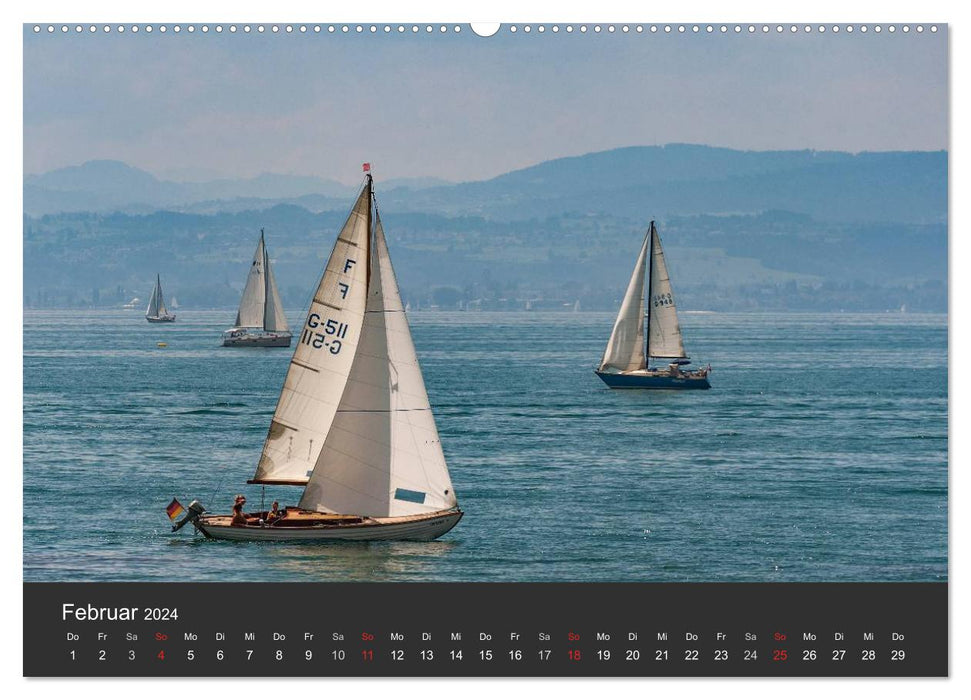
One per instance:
[(353, 426), (156, 311), (260, 321), (626, 360)]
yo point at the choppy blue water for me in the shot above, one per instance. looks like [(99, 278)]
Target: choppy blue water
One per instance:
[(820, 454)]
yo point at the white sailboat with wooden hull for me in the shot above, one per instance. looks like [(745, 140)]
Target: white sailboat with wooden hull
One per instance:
[(260, 321), (156, 311), (626, 360), (353, 425)]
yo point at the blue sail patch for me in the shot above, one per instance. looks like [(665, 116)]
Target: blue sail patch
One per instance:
[(412, 496)]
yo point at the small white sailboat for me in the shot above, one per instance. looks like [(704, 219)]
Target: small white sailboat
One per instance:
[(353, 425), (156, 311), (626, 360), (260, 321)]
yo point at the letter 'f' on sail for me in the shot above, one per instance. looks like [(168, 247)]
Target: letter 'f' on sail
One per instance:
[(322, 359), (382, 456), (625, 349)]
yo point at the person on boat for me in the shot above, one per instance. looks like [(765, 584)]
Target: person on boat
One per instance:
[(238, 517), (274, 512)]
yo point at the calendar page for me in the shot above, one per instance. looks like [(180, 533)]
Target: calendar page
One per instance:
[(521, 349)]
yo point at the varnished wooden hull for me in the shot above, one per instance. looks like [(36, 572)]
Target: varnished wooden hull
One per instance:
[(420, 528)]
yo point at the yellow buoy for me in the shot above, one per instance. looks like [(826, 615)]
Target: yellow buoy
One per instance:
[(162, 345)]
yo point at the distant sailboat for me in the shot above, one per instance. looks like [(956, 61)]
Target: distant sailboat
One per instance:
[(132, 304), (260, 321), (625, 363), (175, 303), (353, 425), (156, 311)]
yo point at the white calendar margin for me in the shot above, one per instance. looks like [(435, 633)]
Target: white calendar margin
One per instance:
[(11, 379)]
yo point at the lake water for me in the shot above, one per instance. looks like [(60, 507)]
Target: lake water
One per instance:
[(820, 453)]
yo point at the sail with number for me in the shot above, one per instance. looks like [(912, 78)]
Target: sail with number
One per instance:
[(353, 425), (382, 455), (156, 305), (663, 330), (260, 306), (625, 349), (322, 359)]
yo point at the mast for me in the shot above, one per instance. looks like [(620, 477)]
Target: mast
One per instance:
[(650, 294), (370, 222), (266, 277)]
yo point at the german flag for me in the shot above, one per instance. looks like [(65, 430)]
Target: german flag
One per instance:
[(174, 509)]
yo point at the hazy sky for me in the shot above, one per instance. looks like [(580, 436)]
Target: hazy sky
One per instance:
[(465, 107)]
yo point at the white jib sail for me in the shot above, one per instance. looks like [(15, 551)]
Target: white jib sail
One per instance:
[(250, 314), (664, 332), (625, 349), (322, 359), (273, 317), (383, 456)]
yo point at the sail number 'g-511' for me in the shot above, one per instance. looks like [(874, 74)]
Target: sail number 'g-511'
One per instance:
[(330, 327)]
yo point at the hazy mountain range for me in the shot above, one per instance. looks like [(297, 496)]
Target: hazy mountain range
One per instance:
[(111, 185), (743, 230), (638, 181)]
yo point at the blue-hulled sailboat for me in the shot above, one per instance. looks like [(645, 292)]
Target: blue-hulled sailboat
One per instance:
[(626, 360)]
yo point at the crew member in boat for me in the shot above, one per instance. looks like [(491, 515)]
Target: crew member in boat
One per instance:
[(238, 518), (274, 512)]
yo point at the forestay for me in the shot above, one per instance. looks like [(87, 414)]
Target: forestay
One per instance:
[(625, 349), (323, 356), (664, 331), (382, 456)]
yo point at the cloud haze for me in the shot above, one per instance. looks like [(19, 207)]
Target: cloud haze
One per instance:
[(464, 107)]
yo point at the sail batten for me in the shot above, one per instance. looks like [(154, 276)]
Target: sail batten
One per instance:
[(323, 357), (382, 456)]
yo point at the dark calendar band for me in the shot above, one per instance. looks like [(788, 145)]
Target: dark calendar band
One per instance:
[(518, 629)]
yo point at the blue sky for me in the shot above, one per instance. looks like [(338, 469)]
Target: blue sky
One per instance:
[(464, 107)]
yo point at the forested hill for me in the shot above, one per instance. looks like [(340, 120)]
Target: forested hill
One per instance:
[(742, 230)]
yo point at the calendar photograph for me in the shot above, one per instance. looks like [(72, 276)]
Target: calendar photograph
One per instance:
[(450, 303)]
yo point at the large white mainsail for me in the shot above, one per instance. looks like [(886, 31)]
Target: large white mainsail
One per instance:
[(664, 331), (156, 305), (382, 456), (250, 314), (322, 359), (625, 349)]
